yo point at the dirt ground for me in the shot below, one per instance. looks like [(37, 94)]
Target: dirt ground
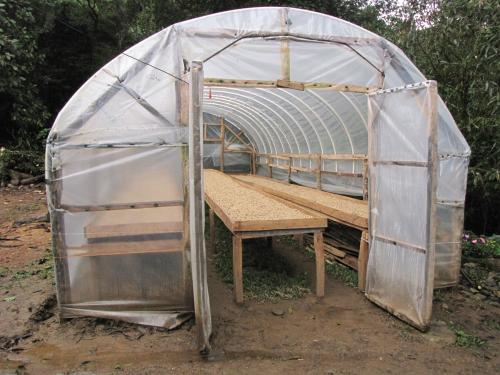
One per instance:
[(342, 334)]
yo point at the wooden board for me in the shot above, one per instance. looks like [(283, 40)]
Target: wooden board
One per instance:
[(243, 208), (126, 247), (132, 229), (339, 208)]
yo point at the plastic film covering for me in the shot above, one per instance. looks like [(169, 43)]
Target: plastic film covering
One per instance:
[(119, 246), (114, 154), (403, 174)]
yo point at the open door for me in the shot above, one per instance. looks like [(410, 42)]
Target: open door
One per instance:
[(197, 210), (402, 155)]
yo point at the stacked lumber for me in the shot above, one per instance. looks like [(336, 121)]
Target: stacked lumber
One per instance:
[(341, 243)]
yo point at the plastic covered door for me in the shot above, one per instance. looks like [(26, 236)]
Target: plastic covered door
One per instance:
[(403, 166)]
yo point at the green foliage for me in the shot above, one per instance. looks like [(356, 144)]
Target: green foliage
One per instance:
[(342, 273), (29, 162), (467, 340), (22, 112), (267, 276), (480, 247), (457, 43)]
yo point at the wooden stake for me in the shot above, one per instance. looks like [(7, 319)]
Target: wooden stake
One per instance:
[(363, 260), (238, 268), (320, 264), (318, 173), (365, 180), (254, 163), (222, 143), (289, 169)]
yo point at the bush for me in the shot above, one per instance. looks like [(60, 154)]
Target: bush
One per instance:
[(30, 162), (480, 247)]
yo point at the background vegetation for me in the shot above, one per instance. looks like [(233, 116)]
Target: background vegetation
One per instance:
[(48, 48)]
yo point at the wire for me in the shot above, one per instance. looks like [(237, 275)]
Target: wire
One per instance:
[(155, 67)]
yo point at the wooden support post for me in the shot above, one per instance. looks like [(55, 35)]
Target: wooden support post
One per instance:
[(318, 173), (254, 163), (320, 264), (270, 169), (365, 180), (222, 143), (211, 219), (238, 268), (363, 260), (289, 169), (63, 286), (285, 48)]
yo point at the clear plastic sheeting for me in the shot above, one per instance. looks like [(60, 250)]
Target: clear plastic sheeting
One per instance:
[(403, 201), (117, 154)]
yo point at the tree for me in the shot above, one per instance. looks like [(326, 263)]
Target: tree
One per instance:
[(22, 112), (457, 43)]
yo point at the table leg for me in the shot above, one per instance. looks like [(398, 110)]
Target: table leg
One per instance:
[(238, 268), (320, 264), (362, 261), (211, 219)]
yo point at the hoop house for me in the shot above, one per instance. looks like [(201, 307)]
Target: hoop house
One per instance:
[(124, 159)]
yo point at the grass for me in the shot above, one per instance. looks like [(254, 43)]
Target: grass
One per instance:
[(340, 272), (267, 276), (42, 267), (465, 339)]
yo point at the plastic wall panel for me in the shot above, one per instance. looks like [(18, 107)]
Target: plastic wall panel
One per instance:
[(403, 184)]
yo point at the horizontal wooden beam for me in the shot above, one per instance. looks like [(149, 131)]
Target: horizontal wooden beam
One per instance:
[(119, 206), (316, 156), (251, 83), (93, 231)]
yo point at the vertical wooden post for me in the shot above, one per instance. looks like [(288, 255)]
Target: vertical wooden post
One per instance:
[(222, 143), (238, 268), (211, 220), (55, 187), (254, 162), (196, 209), (363, 260), (318, 173), (289, 169), (285, 47), (270, 169), (365, 180), (320, 264)]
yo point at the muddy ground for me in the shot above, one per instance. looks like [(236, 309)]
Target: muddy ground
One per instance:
[(341, 334)]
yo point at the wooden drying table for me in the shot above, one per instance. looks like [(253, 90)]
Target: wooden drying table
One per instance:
[(249, 213), (344, 210)]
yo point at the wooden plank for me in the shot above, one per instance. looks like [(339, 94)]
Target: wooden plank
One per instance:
[(363, 261), (126, 247), (132, 229), (255, 225), (340, 173), (238, 268), (303, 169), (250, 83), (396, 242), (283, 167), (320, 264), (285, 83), (120, 206), (328, 156)]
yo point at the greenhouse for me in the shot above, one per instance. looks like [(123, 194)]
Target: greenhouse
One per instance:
[(301, 97)]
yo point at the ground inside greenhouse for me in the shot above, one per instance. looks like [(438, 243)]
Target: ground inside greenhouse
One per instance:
[(342, 334)]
